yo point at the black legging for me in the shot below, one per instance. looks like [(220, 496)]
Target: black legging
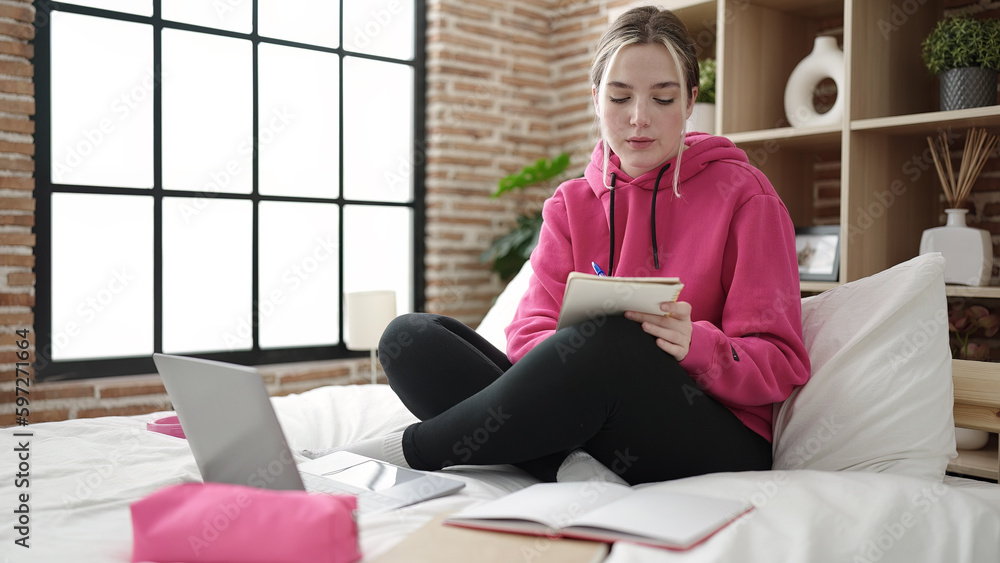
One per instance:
[(601, 386)]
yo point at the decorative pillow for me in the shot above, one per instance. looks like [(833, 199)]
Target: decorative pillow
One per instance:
[(880, 397), (502, 313)]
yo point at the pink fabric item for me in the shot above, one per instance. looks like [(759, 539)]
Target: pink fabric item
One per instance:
[(218, 523)]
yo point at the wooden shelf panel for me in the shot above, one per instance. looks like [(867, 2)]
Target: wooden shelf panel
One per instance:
[(983, 463), (684, 5), (792, 137), (760, 43), (699, 17), (977, 406), (694, 13), (886, 73), (931, 122), (816, 286), (967, 291), (804, 8), (976, 383)]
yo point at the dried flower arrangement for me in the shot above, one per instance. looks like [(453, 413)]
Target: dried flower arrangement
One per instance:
[(978, 147)]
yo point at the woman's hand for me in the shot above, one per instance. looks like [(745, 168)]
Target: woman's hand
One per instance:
[(672, 329)]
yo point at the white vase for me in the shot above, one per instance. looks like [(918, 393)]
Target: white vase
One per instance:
[(968, 252), (702, 118), (825, 61), (969, 439)]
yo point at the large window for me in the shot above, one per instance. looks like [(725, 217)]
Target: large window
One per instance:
[(214, 176)]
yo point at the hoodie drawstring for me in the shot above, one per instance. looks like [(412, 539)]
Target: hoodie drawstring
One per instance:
[(611, 256), (652, 221), (652, 217)]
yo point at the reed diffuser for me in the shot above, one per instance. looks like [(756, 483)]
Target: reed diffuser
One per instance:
[(968, 252), (978, 147)]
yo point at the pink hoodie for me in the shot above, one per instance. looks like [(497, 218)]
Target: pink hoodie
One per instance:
[(729, 239)]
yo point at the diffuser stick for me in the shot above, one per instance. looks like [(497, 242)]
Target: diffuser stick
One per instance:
[(951, 173), (940, 172)]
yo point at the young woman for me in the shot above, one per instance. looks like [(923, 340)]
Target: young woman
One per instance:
[(650, 397)]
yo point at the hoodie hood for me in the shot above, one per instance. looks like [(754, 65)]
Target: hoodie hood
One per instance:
[(701, 150)]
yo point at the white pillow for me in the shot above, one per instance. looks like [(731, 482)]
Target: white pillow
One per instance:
[(502, 313), (880, 397)]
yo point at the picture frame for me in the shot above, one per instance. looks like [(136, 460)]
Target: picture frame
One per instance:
[(818, 252)]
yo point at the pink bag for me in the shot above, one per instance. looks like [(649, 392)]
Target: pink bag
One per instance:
[(216, 523)]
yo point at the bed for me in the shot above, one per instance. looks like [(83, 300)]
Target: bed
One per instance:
[(859, 472)]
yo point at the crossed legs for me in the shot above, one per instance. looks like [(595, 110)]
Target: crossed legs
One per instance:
[(602, 386)]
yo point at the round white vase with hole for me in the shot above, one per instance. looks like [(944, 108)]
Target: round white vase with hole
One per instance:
[(969, 439), (968, 252), (825, 61)]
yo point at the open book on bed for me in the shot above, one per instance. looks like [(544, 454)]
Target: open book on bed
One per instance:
[(588, 296), (605, 512)]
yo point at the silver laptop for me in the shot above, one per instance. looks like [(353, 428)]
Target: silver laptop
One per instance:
[(234, 434)]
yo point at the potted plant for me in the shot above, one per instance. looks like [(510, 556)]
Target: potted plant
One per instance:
[(509, 252), (965, 52), (703, 116)]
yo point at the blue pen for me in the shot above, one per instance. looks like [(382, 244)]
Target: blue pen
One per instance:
[(597, 269)]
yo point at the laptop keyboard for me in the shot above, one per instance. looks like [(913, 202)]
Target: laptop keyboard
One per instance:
[(368, 502)]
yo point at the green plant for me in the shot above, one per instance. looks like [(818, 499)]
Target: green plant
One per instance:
[(541, 170), (964, 322), (509, 252), (706, 82), (962, 41)]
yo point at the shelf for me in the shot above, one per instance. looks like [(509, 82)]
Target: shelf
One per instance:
[(964, 291), (701, 13), (792, 137), (816, 286), (983, 463), (975, 390), (804, 8), (977, 386), (886, 73), (699, 16), (680, 5), (761, 42), (931, 122)]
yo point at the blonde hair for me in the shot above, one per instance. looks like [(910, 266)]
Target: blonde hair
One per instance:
[(641, 26)]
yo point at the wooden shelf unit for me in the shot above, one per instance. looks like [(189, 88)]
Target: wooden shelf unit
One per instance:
[(889, 192)]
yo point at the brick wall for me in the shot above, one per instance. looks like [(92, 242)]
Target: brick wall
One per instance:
[(505, 87), (17, 242), (507, 83)]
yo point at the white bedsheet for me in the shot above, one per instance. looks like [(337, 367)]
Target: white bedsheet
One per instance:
[(85, 473)]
